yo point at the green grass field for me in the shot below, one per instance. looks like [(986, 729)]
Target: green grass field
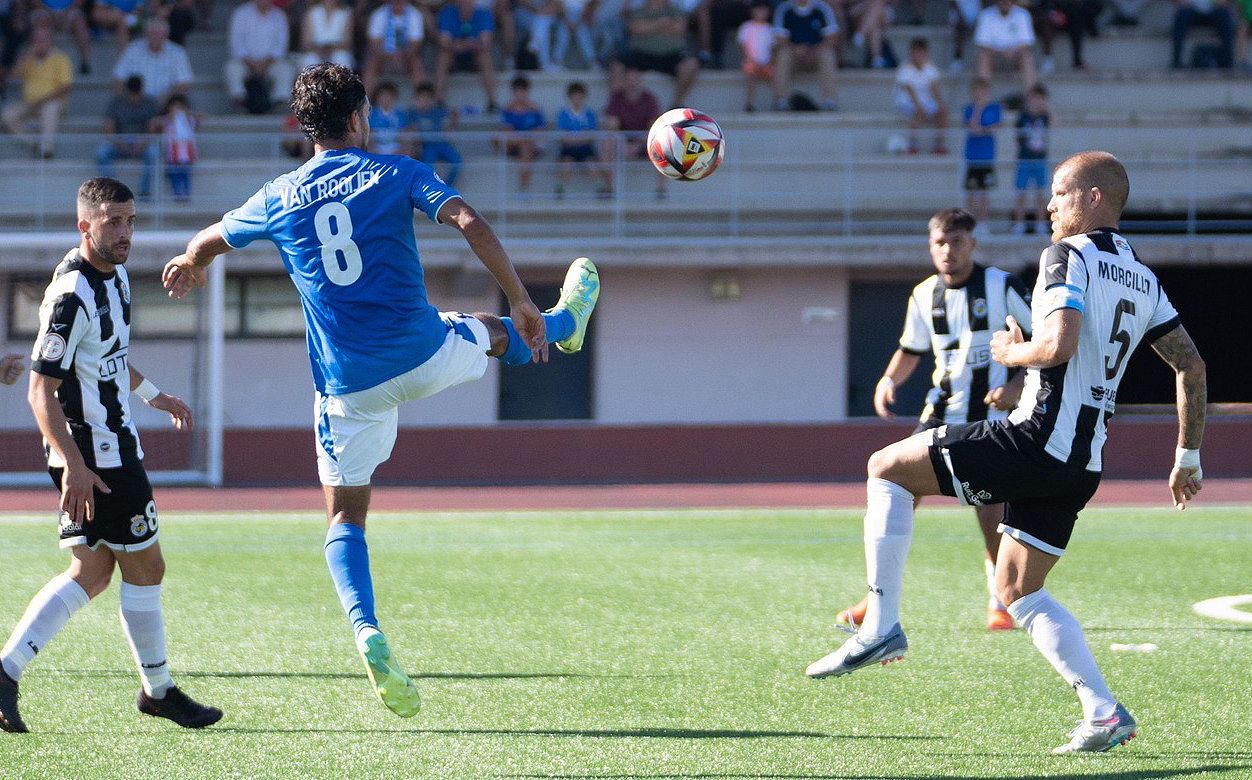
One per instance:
[(637, 644)]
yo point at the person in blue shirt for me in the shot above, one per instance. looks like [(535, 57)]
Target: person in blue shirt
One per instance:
[(430, 120), (981, 117), (343, 226), (465, 34), (519, 118), (388, 121), (578, 123)]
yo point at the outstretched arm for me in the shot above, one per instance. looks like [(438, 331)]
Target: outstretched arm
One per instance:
[(482, 239), (1178, 351), (186, 272), (178, 410)]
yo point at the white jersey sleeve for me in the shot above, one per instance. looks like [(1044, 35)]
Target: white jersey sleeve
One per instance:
[(1065, 279), (1164, 318), (916, 336)]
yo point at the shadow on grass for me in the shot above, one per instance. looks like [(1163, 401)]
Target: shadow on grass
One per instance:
[(1144, 774), (352, 675), (648, 733)]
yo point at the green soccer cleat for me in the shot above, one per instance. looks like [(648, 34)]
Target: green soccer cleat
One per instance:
[(393, 686), (579, 294)]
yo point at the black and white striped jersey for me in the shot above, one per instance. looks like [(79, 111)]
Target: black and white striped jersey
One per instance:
[(956, 323), (84, 335), (1067, 407)]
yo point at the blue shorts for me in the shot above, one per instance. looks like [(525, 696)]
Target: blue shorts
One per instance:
[(1032, 173)]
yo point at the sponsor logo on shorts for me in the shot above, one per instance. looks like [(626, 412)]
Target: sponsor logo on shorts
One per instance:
[(68, 526), (53, 347), (975, 497)]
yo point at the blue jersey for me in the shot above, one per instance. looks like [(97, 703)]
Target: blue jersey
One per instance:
[(343, 223)]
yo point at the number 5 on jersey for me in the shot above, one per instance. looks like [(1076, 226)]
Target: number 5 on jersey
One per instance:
[(333, 223)]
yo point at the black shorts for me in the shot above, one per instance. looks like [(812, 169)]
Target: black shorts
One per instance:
[(995, 462), (929, 424), (661, 63), (980, 177), (579, 152), (126, 518)]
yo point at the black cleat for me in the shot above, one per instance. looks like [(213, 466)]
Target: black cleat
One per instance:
[(178, 707), (10, 718)]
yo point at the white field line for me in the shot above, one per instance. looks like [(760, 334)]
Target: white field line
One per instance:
[(1225, 608)]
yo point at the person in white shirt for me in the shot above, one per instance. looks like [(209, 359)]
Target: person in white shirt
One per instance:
[(326, 34), (259, 40), (395, 31), (1005, 32), (162, 64), (919, 97)]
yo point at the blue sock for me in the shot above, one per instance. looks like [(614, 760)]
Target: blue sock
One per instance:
[(560, 325), (348, 557)]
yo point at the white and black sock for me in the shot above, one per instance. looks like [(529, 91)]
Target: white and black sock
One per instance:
[(46, 615), (888, 534), (1058, 636), (145, 630)]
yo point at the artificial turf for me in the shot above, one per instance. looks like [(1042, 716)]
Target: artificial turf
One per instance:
[(637, 644)]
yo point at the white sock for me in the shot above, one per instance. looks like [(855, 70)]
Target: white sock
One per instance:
[(990, 568), (1058, 636), (145, 630), (888, 533), (46, 615)]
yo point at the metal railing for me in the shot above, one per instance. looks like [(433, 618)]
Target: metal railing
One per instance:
[(816, 180)]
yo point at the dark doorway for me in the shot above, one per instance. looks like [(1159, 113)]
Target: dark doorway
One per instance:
[(557, 390)]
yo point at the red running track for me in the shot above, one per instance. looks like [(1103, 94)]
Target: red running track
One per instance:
[(557, 497)]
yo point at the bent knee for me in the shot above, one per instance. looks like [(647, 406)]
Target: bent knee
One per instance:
[(881, 464), (93, 583)]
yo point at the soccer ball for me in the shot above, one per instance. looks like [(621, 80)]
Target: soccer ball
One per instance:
[(685, 144)]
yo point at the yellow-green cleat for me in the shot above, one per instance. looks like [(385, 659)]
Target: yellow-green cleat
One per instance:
[(579, 294), (393, 686)]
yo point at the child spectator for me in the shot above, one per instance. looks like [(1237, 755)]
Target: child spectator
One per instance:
[(431, 120), (387, 120), (919, 97), (521, 116), (1033, 128), (756, 41), (178, 130), (578, 146), (981, 118)]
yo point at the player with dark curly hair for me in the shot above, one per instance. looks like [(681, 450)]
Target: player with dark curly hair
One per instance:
[(343, 223)]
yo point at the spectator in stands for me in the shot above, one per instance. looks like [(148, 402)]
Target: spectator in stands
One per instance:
[(868, 19), (326, 34), (465, 35), (182, 16), (577, 20), (756, 43), (519, 118), (963, 15), (178, 141), (657, 41), (632, 108), (128, 119), (1076, 17), (981, 117), (119, 16), (162, 64), (67, 15), (14, 25), (430, 120), (46, 77), (609, 34), (12, 366), (1210, 13), (1034, 125), (807, 32), (388, 120), (726, 17), (1005, 31), (258, 73), (919, 95), (578, 124), (536, 18), (395, 34)]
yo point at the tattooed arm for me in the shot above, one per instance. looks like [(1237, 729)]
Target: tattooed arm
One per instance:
[(1179, 352)]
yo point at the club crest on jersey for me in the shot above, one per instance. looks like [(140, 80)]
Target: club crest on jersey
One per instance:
[(53, 347), (1121, 244), (980, 307), (124, 291)]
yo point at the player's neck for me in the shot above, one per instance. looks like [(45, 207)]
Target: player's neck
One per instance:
[(103, 266), (957, 280)]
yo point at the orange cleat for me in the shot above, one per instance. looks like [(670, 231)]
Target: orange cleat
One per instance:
[(853, 616), (999, 620)]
